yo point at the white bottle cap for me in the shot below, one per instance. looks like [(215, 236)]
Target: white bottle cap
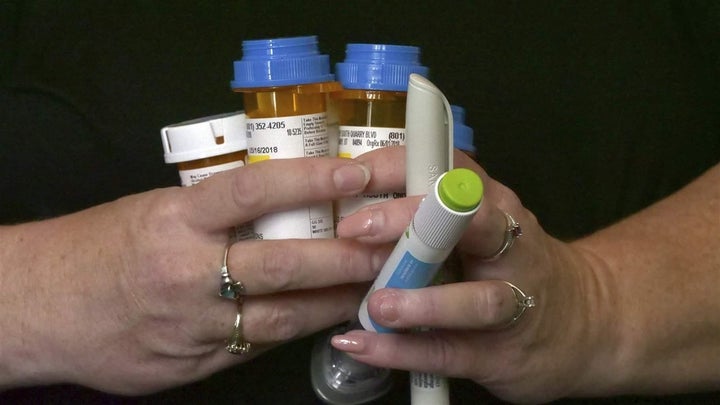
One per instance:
[(204, 137)]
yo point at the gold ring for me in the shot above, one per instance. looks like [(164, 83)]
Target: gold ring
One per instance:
[(236, 343), (229, 288)]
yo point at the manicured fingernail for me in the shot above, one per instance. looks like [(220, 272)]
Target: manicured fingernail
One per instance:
[(351, 177), (389, 308), (362, 223), (346, 343)]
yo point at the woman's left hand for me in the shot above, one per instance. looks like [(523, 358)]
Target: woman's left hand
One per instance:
[(562, 340)]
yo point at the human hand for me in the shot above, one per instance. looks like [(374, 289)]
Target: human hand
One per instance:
[(559, 347), (124, 296)]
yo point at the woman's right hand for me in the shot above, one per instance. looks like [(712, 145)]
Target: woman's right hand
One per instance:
[(123, 297)]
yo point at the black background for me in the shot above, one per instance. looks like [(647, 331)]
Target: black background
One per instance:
[(588, 110)]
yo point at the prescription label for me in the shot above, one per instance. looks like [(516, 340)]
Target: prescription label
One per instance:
[(195, 176), (353, 142), (287, 137)]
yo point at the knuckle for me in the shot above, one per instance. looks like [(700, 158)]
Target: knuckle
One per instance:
[(449, 355), (505, 196), (249, 189), (355, 262), (282, 323), (441, 352), (278, 267), (488, 305), (428, 309), (530, 217), (314, 175), (158, 213)]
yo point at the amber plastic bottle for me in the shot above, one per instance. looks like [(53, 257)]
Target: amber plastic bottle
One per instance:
[(371, 106), (285, 84)]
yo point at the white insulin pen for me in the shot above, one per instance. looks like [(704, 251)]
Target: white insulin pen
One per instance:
[(430, 133), (436, 227)]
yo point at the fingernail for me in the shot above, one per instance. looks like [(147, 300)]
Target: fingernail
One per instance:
[(389, 308), (346, 343), (362, 223), (351, 177)]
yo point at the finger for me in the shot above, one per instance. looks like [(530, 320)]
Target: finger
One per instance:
[(434, 351), (486, 233), (237, 196), (381, 222), (271, 319), (271, 266), (385, 222), (468, 305), (388, 168)]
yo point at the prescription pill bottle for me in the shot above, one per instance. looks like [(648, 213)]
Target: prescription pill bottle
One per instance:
[(463, 134), (284, 83), (204, 146), (371, 106)]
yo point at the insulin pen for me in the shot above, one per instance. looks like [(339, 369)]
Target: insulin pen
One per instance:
[(430, 129), (436, 227)]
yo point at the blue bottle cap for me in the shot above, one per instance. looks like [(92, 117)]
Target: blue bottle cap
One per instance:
[(462, 134), (379, 67), (281, 62)]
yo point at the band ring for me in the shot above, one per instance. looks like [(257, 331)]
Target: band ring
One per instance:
[(229, 288), (512, 232), (522, 300), (236, 343)]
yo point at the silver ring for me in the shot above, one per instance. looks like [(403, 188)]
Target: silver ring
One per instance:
[(523, 302), (512, 232), (229, 288), (236, 343)]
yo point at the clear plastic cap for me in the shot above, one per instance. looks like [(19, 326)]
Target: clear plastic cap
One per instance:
[(379, 67), (339, 379), (204, 137)]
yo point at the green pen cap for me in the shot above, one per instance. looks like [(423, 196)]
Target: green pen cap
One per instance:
[(461, 190)]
